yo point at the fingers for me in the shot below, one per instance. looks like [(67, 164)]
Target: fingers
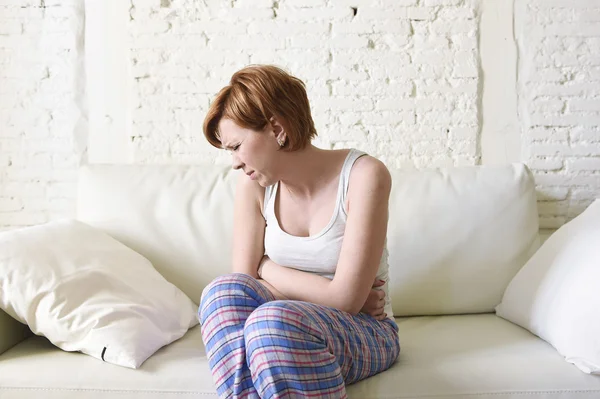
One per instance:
[(378, 311), (377, 315), (378, 283), (380, 316), (375, 304), (377, 294)]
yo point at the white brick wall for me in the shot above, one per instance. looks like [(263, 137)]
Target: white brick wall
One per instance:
[(39, 109), (400, 79), (379, 80), (559, 106)]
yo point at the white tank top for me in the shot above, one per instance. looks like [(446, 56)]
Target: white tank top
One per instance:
[(317, 253)]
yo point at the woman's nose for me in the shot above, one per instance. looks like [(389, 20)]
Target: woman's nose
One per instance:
[(237, 164)]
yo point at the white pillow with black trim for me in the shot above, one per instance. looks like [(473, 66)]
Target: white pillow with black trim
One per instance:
[(87, 292)]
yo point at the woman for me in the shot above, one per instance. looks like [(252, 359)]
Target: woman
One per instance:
[(305, 311)]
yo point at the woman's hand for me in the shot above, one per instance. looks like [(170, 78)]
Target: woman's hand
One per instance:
[(375, 302)]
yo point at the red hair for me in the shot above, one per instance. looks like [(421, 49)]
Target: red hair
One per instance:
[(254, 95)]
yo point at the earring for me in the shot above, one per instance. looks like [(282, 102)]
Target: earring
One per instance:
[(280, 142)]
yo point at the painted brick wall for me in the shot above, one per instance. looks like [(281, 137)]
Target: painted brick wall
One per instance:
[(559, 103), (39, 111), (400, 79)]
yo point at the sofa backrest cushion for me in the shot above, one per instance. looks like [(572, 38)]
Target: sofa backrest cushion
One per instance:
[(179, 217), (456, 236)]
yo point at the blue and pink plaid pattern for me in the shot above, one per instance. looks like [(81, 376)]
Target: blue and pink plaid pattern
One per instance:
[(259, 347)]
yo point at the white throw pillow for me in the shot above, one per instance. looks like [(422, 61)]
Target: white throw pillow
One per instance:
[(87, 292), (556, 295)]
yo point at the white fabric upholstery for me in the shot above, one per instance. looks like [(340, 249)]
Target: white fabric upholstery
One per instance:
[(456, 236), (447, 357)]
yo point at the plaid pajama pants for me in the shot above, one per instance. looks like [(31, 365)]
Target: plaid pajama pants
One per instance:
[(259, 347)]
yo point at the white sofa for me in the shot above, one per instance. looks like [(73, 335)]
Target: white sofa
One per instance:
[(456, 238)]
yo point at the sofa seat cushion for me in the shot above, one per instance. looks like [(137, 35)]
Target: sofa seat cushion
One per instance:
[(476, 356), (443, 357)]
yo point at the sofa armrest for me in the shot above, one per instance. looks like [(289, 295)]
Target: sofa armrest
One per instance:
[(11, 332)]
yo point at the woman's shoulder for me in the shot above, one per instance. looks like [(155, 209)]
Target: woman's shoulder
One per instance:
[(250, 190), (370, 173), (368, 166)]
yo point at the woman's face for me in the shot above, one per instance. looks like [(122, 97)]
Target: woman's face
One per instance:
[(256, 153)]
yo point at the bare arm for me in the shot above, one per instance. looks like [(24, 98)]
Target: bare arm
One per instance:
[(364, 238), (249, 230), (374, 303), (248, 227)]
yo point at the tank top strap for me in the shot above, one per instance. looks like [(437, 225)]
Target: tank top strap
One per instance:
[(353, 155), (269, 196), (345, 176)]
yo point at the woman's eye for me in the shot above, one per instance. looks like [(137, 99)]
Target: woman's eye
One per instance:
[(233, 148)]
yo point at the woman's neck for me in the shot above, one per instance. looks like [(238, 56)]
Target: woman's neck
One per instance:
[(306, 172)]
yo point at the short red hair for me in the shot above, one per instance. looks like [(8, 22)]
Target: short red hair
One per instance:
[(254, 95)]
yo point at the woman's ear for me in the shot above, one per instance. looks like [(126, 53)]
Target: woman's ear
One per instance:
[(278, 130)]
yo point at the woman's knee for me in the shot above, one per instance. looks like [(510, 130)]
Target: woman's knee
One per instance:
[(277, 317), (225, 282), (224, 288), (273, 311)]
